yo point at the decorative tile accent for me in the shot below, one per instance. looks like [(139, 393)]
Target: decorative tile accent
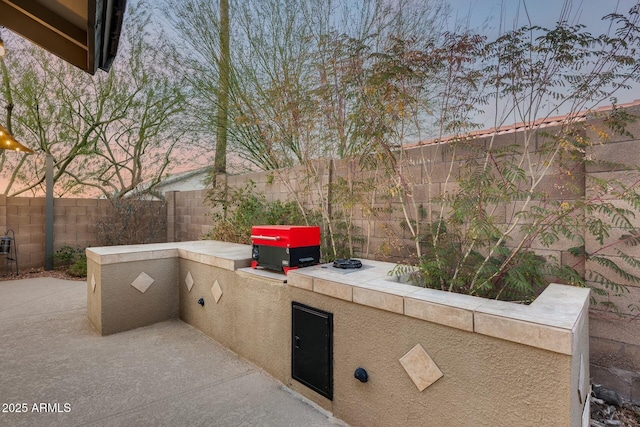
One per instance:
[(420, 367), (189, 281), (93, 282), (142, 282), (216, 290)]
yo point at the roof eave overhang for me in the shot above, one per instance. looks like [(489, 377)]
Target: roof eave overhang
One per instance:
[(89, 48), (107, 26)]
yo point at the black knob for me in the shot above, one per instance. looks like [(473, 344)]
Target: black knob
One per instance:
[(361, 375), (201, 301)]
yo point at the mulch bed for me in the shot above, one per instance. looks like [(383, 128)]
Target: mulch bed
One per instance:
[(40, 272)]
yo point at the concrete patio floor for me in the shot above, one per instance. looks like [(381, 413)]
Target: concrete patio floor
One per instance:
[(167, 374)]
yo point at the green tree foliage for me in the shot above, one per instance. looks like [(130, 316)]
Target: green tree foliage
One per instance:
[(73, 261), (315, 93), (590, 216), (246, 209), (299, 88), (107, 133)]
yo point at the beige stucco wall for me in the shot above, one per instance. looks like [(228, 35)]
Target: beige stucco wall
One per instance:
[(250, 318), (253, 318), (615, 346), (480, 373), (580, 369), (94, 294), (487, 380), (116, 306)]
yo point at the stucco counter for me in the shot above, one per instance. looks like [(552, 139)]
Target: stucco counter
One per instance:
[(432, 356)]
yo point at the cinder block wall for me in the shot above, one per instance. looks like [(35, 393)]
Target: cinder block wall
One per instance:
[(3, 212), (25, 216), (615, 342), (74, 225), (74, 221), (187, 215), (428, 172)]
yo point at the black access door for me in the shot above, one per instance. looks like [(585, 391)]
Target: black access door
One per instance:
[(312, 348)]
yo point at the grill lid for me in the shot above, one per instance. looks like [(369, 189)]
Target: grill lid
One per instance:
[(285, 236)]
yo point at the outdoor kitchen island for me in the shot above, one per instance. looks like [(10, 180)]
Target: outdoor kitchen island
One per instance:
[(356, 342)]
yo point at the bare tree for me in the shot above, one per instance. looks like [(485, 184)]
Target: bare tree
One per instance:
[(220, 162), (107, 133), (533, 73), (299, 90)]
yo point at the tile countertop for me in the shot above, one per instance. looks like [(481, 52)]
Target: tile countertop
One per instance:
[(549, 322), (230, 256)]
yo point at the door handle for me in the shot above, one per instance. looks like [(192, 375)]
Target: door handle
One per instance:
[(261, 237), (297, 342)]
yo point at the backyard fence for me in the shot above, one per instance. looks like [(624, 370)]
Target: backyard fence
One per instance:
[(378, 219), (78, 223)]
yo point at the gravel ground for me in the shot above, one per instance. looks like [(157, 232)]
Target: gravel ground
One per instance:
[(603, 414)]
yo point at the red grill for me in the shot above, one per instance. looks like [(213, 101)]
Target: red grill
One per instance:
[(285, 247)]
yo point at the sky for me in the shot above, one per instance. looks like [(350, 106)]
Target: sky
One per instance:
[(494, 17), (541, 12), (491, 17)]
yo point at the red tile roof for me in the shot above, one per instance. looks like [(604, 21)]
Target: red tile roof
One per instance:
[(518, 127)]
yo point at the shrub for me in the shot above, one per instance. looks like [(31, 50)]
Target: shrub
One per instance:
[(130, 221), (79, 267), (244, 209), (73, 261)]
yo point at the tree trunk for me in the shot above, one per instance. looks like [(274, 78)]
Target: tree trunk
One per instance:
[(220, 162)]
